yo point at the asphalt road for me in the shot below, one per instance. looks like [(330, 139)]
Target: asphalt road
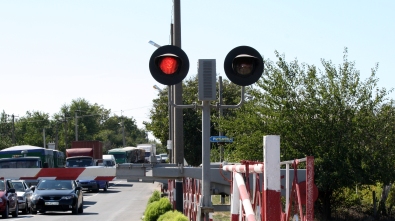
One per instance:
[(122, 201)]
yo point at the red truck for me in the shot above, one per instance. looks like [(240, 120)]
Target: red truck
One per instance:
[(84, 150), (87, 154)]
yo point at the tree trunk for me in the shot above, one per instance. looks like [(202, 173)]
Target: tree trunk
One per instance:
[(384, 196), (325, 201)]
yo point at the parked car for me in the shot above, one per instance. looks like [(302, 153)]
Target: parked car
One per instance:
[(8, 199), (163, 157), (93, 185), (158, 159), (57, 195), (24, 195)]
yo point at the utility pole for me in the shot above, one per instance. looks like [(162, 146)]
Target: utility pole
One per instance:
[(56, 135), (178, 142), (65, 131), (76, 125), (123, 130), (13, 129), (178, 133), (44, 141)]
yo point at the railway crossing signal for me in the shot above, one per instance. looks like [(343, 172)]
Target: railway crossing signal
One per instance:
[(243, 65), (169, 65)]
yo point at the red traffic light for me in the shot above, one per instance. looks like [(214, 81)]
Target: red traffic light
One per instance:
[(169, 65), (243, 65)]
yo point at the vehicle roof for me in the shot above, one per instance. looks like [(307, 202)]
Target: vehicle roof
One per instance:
[(12, 180), (22, 147), (20, 159), (108, 156), (129, 148)]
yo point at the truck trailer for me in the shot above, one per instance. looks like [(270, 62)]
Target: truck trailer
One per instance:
[(150, 151)]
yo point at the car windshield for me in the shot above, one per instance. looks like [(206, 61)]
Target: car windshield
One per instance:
[(18, 186), (55, 185), (79, 162)]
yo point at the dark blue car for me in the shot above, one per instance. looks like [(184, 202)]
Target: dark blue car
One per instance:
[(57, 195)]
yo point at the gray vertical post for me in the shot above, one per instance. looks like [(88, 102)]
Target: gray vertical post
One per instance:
[(170, 124), (206, 157), (170, 98), (178, 142), (221, 148), (179, 196)]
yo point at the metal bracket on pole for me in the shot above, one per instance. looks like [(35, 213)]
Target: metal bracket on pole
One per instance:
[(217, 105)]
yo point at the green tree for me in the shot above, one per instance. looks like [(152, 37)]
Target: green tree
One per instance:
[(5, 131), (112, 131), (327, 114), (89, 120), (30, 129)]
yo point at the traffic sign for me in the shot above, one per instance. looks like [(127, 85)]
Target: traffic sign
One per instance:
[(220, 139)]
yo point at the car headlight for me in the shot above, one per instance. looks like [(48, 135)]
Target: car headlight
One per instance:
[(36, 197), (67, 197)]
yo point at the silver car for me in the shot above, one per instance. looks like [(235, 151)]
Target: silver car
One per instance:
[(24, 195)]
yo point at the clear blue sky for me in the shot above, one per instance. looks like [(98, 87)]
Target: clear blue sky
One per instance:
[(52, 52)]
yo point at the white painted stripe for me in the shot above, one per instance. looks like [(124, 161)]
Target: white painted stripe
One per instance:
[(235, 196), (16, 173), (272, 180), (245, 197), (257, 168)]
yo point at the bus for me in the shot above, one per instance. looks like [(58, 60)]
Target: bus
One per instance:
[(23, 162), (52, 158), (58, 159), (128, 155)]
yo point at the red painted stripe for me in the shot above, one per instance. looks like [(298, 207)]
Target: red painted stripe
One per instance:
[(272, 205), (106, 178), (235, 217), (61, 173)]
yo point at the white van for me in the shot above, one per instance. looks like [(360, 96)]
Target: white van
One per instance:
[(109, 160)]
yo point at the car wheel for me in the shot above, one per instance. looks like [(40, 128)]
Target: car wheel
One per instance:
[(26, 209), (5, 212), (105, 187), (96, 190), (81, 208), (16, 212), (75, 209)]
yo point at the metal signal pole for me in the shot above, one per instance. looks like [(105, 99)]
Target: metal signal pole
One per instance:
[(178, 135)]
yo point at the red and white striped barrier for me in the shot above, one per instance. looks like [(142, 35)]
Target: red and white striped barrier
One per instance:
[(266, 205), (245, 197), (94, 173), (257, 168)]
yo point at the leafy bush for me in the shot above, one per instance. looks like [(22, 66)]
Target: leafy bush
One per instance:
[(155, 197), (156, 209), (173, 216)]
